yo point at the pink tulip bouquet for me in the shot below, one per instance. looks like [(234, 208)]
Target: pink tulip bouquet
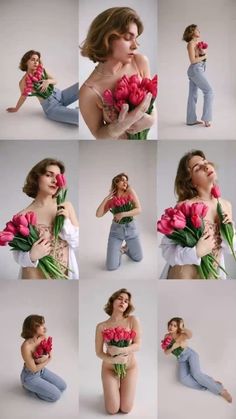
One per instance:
[(44, 348), (121, 338), (226, 229), (33, 83), (61, 196), (122, 204), (184, 225), (132, 90), (202, 46), (20, 234), (168, 342)]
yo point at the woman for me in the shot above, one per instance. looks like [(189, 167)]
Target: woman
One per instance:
[(193, 183), (197, 78), (118, 392), (123, 227), (35, 377), (41, 184), (188, 361), (38, 82), (112, 42)]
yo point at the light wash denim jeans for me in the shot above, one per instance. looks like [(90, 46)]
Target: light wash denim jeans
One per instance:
[(197, 80), (44, 384), (55, 107), (190, 373), (118, 233)]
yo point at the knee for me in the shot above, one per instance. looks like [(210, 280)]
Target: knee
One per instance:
[(63, 385), (53, 397), (137, 258), (112, 267), (112, 409), (126, 407)]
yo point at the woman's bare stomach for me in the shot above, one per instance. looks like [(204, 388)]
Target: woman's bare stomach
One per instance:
[(131, 363), (183, 272), (32, 273)]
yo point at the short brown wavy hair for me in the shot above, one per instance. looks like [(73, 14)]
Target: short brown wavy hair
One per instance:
[(178, 320), (107, 26), (31, 182), (109, 305), (30, 325), (116, 179), (184, 188), (26, 57), (188, 33)]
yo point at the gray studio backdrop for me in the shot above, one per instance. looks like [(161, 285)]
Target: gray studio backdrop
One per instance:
[(99, 163), (148, 41), (58, 303), (220, 152), (216, 22), (50, 27), (16, 160), (208, 309), (93, 295)]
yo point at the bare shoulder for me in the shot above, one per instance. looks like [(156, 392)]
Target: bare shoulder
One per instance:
[(131, 191), (141, 60), (191, 44), (100, 326), (26, 346), (134, 321), (22, 80), (25, 210)]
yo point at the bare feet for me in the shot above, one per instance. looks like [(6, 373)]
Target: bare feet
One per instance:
[(196, 123), (124, 249), (225, 394), (207, 124)]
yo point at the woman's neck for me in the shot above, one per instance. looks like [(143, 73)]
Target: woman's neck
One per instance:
[(116, 317), (205, 194), (109, 68), (42, 200)]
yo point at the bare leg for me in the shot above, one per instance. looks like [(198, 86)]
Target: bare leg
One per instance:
[(127, 389), (111, 392)]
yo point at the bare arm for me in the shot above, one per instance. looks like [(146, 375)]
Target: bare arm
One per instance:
[(103, 208), (93, 116), (99, 345), (191, 54), (135, 211), (174, 346), (186, 333), (21, 99), (29, 360)]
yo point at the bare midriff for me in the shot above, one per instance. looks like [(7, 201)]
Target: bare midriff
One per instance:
[(131, 363), (60, 251)]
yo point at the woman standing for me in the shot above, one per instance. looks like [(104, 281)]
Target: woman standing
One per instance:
[(197, 78), (193, 183), (35, 377), (41, 185), (189, 370), (119, 393), (112, 42), (123, 226), (38, 82)]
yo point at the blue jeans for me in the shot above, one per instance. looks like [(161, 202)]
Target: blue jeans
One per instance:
[(197, 80), (44, 384), (55, 107), (190, 373), (118, 233)]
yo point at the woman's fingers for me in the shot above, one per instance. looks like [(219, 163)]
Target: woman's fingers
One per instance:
[(123, 112)]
